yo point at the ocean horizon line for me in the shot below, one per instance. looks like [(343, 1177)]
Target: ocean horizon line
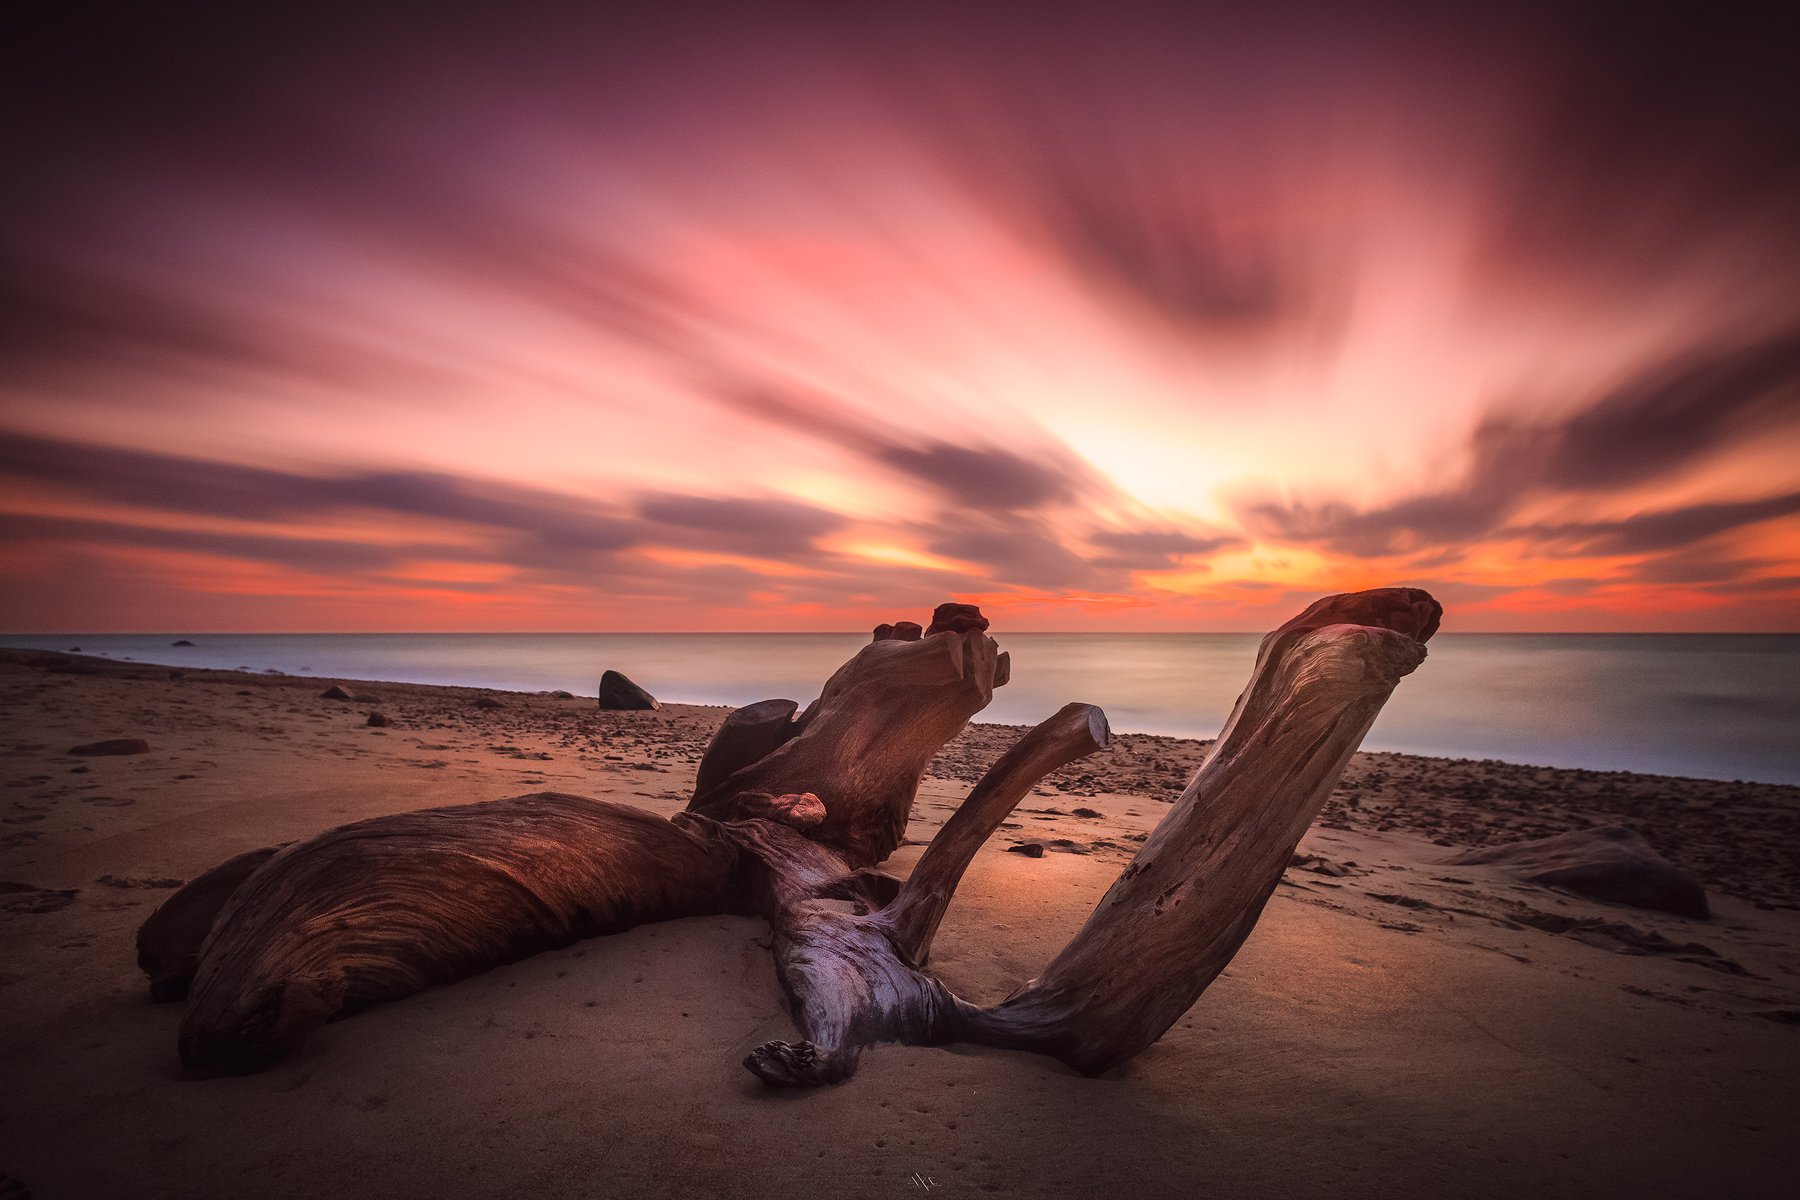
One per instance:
[(1459, 633), (1700, 705)]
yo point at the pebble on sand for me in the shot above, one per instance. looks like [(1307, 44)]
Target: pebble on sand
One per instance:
[(113, 746)]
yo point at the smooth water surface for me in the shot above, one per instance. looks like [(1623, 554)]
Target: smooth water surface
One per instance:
[(1720, 706)]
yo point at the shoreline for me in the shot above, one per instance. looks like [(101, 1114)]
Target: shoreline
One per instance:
[(1396, 1026), (1522, 800), (1686, 706)]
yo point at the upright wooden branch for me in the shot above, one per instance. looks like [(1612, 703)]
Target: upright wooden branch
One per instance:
[(863, 745), (1180, 911), (788, 816), (912, 919)]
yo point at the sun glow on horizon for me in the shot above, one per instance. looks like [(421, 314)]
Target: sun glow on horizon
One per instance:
[(1159, 325)]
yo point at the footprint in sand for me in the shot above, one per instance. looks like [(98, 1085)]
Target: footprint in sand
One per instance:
[(29, 898)]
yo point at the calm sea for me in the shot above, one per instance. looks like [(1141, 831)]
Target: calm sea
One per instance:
[(1721, 706)]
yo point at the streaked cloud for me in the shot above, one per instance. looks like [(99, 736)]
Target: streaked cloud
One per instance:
[(585, 318)]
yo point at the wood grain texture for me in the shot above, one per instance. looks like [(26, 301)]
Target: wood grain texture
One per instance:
[(864, 744), (746, 735), (1189, 898), (912, 920), (794, 814), (168, 943), (382, 908)]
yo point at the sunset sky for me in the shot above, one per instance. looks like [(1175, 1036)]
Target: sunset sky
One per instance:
[(1156, 319)]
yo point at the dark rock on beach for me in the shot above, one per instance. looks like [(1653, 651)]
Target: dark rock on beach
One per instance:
[(618, 693), (113, 746), (378, 720), (337, 692), (1608, 862)]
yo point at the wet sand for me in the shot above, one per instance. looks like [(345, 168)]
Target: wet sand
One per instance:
[(1393, 1027)]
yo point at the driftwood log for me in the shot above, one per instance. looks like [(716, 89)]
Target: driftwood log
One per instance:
[(791, 812)]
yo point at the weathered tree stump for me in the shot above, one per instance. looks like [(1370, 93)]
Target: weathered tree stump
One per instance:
[(790, 813)]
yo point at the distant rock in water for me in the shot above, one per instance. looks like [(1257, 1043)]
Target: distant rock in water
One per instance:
[(1609, 862), (337, 692), (182, 642), (956, 618), (619, 693), (113, 746)]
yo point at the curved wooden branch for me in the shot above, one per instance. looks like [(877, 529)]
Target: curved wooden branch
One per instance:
[(786, 822), (912, 919), (1188, 900), (380, 909), (863, 745), (846, 986), (748, 734), (168, 943), (852, 974)]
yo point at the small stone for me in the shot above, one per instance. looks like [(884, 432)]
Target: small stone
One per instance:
[(337, 692), (113, 746), (1028, 849), (378, 720), (487, 702)]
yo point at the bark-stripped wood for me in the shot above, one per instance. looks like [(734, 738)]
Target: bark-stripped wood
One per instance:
[(747, 734), (863, 745), (789, 815), (1188, 900), (912, 919), (382, 908), (168, 943)]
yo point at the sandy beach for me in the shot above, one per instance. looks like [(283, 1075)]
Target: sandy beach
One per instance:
[(1394, 1026)]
